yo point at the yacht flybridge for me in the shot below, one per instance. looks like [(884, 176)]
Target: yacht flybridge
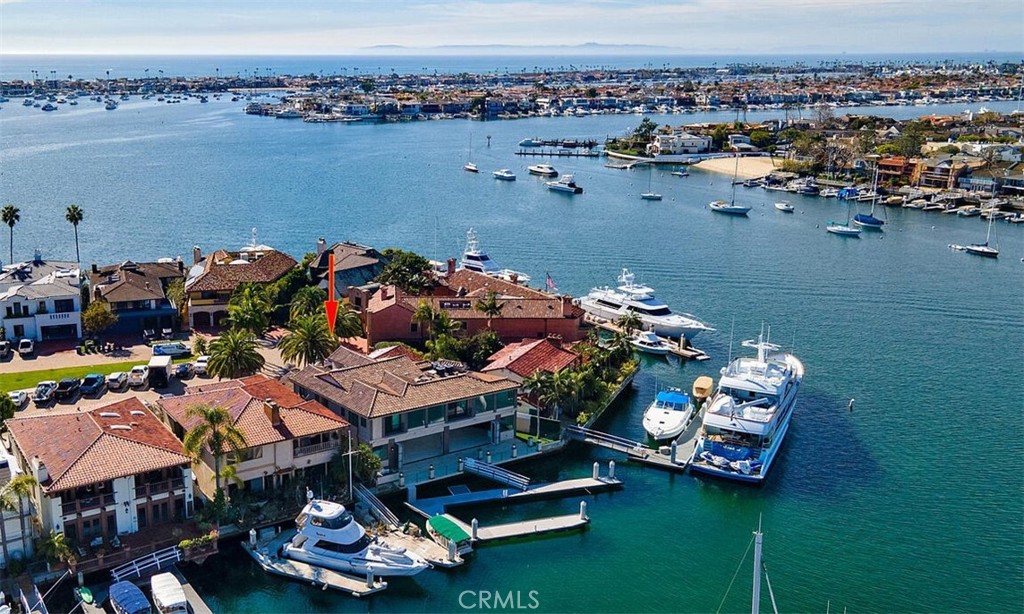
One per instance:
[(655, 316), (329, 537), (747, 418), (475, 259)]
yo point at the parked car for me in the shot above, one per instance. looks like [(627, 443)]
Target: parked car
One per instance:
[(19, 398), (94, 383), (184, 370), (138, 377), (68, 388), (44, 392), (117, 380), (174, 348), (26, 347), (199, 368), (5, 349)]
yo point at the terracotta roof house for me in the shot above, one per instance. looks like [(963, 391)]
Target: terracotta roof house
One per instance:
[(112, 471), (137, 294), (517, 361), (412, 411), (288, 438), (354, 265), (212, 279), (388, 311)]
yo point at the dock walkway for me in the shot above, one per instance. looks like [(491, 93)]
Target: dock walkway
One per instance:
[(531, 527), (439, 505), (265, 554), (431, 551), (639, 452)]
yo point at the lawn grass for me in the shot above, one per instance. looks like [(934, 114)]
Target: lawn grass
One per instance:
[(29, 379)]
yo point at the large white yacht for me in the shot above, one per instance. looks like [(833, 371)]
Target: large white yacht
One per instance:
[(475, 259), (613, 303), (747, 418), (668, 415), (329, 537)]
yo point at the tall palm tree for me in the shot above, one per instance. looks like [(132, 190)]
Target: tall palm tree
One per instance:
[(443, 324), (12, 497), (308, 341), (249, 309), (215, 432), (10, 216), (348, 324), (490, 307), (306, 301), (74, 215), (424, 316), (538, 384), (234, 355)]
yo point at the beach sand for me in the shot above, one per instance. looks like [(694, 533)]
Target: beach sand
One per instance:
[(749, 167)]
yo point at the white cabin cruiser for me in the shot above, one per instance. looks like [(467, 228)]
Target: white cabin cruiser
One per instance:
[(329, 537), (475, 259), (747, 418), (565, 183), (655, 316), (504, 174), (543, 170), (646, 341), (668, 415)]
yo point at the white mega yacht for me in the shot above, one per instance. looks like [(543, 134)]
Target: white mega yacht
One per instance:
[(747, 418), (613, 303), (328, 536), (475, 259)]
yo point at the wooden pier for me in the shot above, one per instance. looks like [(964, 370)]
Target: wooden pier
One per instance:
[(531, 527), (559, 154), (678, 348), (431, 551), (266, 555)]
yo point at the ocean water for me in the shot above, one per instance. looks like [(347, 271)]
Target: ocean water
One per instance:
[(911, 502)]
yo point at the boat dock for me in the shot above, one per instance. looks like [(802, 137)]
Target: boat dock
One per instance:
[(523, 528), (195, 602), (431, 551), (559, 153), (265, 553), (680, 348), (662, 458)]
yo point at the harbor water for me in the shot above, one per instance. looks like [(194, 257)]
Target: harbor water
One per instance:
[(909, 502)]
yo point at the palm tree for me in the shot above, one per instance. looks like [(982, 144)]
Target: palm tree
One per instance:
[(234, 355), (424, 316), (538, 384), (443, 324), (10, 216), (348, 324), (215, 432), (306, 301), (12, 496), (630, 323), (490, 307), (56, 549), (74, 215), (249, 309), (309, 340)]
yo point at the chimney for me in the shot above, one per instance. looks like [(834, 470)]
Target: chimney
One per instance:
[(37, 257), (42, 474), (384, 293), (555, 340), (97, 293), (451, 267), (197, 255), (321, 246), (95, 269), (181, 265), (273, 412)]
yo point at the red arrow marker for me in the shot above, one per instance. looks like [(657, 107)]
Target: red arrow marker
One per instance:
[(330, 305)]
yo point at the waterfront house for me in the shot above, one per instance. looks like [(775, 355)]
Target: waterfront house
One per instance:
[(354, 265), (943, 171), (41, 300), (896, 169), (518, 361), (411, 411), (109, 472), (213, 279), (288, 439), (388, 311), (137, 294), (677, 143), (17, 523)]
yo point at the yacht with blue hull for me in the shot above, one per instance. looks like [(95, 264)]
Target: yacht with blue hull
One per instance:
[(747, 418)]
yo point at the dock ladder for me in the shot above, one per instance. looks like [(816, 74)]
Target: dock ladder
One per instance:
[(497, 474), (158, 559), (376, 507)]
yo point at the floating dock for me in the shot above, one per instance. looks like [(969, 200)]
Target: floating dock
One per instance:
[(676, 348), (439, 505), (639, 452), (523, 528), (431, 551), (560, 154), (266, 555)]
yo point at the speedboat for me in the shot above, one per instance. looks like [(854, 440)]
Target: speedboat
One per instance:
[(505, 175), (613, 303), (565, 183), (544, 170), (646, 341), (785, 207), (668, 415), (328, 536), (49, 107), (746, 420), (731, 208), (27, 102), (443, 530), (531, 143), (126, 598), (476, 259), (469, 166), (110, 105)]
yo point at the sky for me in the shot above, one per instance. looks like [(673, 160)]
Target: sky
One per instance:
[(325, 27)]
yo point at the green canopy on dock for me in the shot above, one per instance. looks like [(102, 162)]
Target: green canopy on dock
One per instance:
[(443, 526)]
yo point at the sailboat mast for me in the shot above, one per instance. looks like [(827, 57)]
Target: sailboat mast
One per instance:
[(755, 605)]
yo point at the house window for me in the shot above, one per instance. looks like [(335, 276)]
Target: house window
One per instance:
[(416, 418), (414, 327), (64, 305), (19, 331), (41, 307), (505, 399), (393, 424), (435, 414), (247, 454), (112, 524), (458, 411)]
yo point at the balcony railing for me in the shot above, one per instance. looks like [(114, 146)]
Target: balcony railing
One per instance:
[(156, 488), (77, 506), (315, 448)]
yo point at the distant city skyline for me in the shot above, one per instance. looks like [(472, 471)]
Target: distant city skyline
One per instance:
[(319, 27)]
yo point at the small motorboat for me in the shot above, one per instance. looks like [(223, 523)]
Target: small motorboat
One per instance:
[(680, 173), (543, 170), (647, 341), (785, 207), (504, 174), (668, 415), (469, 166)]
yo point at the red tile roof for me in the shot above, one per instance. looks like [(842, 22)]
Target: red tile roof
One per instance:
[(82, 448), (244, 400), (529, 356), (223, 271)]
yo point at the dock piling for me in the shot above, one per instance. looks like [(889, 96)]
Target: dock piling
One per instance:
[(401, 479), (369, 576), (488, 457), (462, 465), (430, 472), (514, 451), (452, 553), (583, 511), (475, 526), (597, 470), (675, 448), (611, 469), (252, 537)]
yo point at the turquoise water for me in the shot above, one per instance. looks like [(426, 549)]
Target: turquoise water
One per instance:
[(912, 502)]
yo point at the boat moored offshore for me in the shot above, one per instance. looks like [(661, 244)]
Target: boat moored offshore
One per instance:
[(543, 170), (565, 183)]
